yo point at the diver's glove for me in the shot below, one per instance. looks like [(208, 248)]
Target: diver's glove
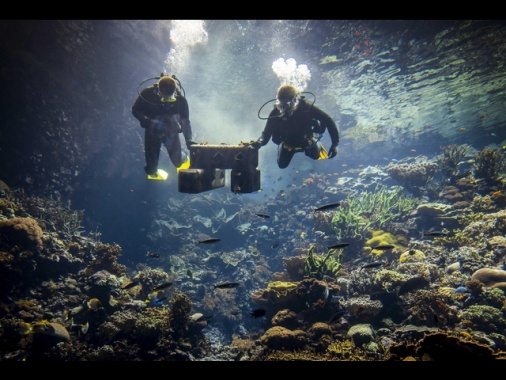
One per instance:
[(189, 143), (255, 144), (332, 151)]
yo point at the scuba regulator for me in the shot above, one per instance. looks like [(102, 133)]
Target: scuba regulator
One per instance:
[(300, 96)]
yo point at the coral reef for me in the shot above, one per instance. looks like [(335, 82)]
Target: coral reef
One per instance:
[(372, 210), (449, 162), (320, 266), (21, 231), (413, 176), (489, 166)]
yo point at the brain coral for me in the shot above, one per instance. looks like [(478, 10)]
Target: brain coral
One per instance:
[(493, 278), (279, 338)]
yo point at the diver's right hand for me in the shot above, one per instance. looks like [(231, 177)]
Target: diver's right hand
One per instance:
[(255, 144), (332, 151)]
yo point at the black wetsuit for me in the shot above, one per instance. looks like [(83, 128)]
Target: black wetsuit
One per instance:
[(296, 133), (162, 121)]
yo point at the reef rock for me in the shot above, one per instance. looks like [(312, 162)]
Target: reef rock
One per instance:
[(55, 334), (361, 334)]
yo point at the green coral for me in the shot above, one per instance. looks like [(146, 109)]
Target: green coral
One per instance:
[(280, 288), (489, 318), (372, 210), (318, 266)]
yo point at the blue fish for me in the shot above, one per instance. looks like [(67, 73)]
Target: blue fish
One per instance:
[(462, 289)]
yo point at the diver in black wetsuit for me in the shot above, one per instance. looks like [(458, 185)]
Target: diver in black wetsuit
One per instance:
[(163, 112), (295, 125)]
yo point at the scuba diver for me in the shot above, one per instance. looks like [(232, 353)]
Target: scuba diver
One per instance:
[(295, 125), (163, 112)]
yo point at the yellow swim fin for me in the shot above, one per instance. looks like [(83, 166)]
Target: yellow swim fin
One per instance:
[(161, 175), (323, 153), (184, 165)]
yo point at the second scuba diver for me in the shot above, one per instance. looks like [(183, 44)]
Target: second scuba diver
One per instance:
[(295, 126)]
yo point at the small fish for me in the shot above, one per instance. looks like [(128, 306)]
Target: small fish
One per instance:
[(209, 241), (131, 285), (38, 327), (204, 318), (327, 206), (189, 273), (165, 285), (265, 216), (337, 315), (275, 244), (373, 265), (319, 233), (338, 245), (325, 293), (153, 254), (93, 304), (434, 233), (227, 285), (412, 284), (383, 247), (461, 289), (257, 313), (25, 328), (82, 327), (156, 302), (152, 296), (436, 320)]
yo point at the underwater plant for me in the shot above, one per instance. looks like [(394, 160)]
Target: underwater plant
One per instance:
[(373, 210), (318, 266)]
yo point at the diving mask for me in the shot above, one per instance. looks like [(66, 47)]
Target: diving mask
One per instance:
[(286, 106)]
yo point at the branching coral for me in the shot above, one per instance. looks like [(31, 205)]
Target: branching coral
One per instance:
[(449, 162), (51, 214), (489, 165), (376, 210), (106, 257)]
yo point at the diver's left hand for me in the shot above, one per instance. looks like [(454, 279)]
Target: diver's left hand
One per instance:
[(332, 151)]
